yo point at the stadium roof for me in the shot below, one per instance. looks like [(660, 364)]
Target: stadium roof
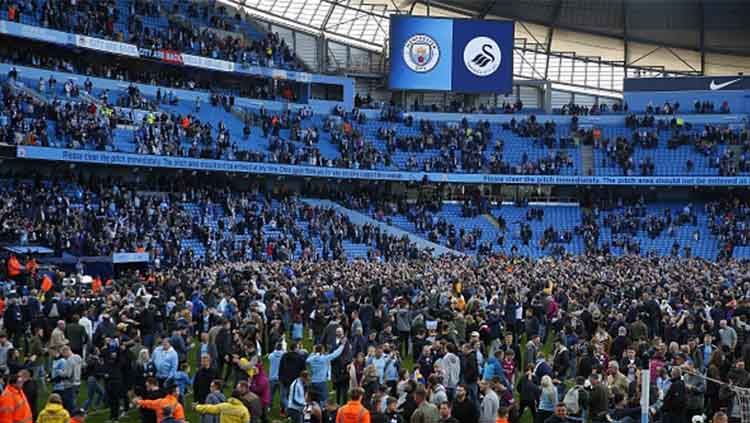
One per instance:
[(718, 25), (585, 44)]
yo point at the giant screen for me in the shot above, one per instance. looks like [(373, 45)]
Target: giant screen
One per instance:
[(460, 55)]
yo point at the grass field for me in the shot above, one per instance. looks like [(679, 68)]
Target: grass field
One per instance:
[(133, 416)]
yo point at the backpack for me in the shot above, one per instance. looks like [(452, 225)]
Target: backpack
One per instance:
[(571, 400)]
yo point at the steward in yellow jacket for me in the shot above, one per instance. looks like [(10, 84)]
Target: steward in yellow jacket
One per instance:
[(232, 411), (53, 412)]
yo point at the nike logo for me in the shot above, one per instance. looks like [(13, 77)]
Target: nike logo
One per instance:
[(714, 86)]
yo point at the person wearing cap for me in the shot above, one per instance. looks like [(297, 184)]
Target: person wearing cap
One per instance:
[(53, 412), (231, 411)]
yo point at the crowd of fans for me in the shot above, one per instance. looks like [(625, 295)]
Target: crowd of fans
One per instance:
[(168, 78), (471, 148), (432, 340), (203, 29), (390, 111), (627, 223), (84, 122), (105, 217), (699, 107), (726, 146), (457, 146), (271, 319)]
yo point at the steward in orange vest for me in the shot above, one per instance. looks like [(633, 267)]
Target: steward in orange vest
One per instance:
[(353, 411), (14, 266), (14, 407), (158, 405)]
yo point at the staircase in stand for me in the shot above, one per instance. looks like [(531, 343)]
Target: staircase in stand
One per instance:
[(361, 219), (587, 160)]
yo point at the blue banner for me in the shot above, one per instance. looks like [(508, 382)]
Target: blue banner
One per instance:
[(36, 33), (167, 162), (439, 54), (713, 83), (130, 257)]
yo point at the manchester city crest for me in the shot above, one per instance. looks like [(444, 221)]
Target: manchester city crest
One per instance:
[(421, 53)]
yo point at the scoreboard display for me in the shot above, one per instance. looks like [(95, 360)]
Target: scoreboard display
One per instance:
[(460, 55)]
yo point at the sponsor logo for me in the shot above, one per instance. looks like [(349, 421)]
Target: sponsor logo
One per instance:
[(421, 53), (714, 86), (482, 56)]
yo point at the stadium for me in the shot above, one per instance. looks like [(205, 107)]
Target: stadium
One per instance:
[(386, 211)]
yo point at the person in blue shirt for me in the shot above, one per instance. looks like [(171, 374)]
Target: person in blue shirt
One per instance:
[(320, 369), (541, 369), (274, 362), (379, 360), (298, 329), (165, 360), (706, 350), (61, 376), (391, 371), (182, 380), (296, 401), (494, 368)]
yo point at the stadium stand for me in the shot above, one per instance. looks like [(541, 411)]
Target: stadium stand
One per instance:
[(518, 147), (227, 212)]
